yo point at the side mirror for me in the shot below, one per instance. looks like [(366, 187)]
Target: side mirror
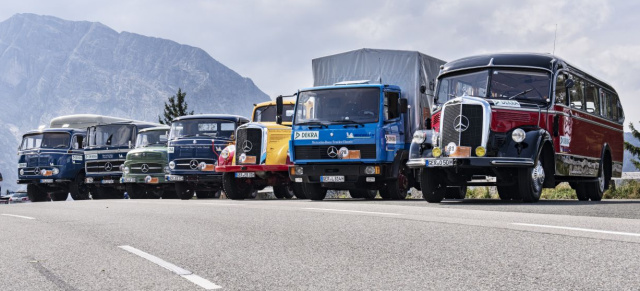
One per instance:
[(568, 84), (404, 107), (279, 109), (423, 89)]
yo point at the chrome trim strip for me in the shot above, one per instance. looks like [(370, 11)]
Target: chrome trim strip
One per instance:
[(493, 67), (523, 162), (417, 163)]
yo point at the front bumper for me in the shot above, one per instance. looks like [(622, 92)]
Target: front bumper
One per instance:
[(253, 168), (147, 179), (44, 181), (215, 178), (354, 176), (471, 162), (104, 180)]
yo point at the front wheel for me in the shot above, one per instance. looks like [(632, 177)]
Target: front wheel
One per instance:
[(315, 191), (530, 182), (596, 190), (398, 188), (433, 185), (235, 189), (184, 191), (581, 190), (283, 192), (362, 193), (298, 190), (507, 192), (36, 193), (78, 189)]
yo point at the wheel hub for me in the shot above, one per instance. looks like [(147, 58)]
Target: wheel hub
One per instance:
[(537, 176)]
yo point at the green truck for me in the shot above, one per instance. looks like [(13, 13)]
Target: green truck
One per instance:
[(146, 165)]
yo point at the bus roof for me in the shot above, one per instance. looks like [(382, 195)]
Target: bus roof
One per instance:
[(83, 120)]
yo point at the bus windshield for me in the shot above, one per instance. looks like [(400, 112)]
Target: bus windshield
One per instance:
[(503, 84), (268, 113), (152, 138), (47, 140), (358, 105), (110, 135)]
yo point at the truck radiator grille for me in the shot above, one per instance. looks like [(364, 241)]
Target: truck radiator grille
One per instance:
[(472, 136), (108, 167), (367, 151), (150, 168), (249, 142)]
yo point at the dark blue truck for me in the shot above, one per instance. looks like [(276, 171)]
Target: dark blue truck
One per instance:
[(105, 152), (353, 130), (195, 142), (51, 164)]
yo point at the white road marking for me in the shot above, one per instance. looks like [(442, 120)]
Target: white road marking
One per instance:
[(351, 211), (202, 282), (581, 229), (19, 216)]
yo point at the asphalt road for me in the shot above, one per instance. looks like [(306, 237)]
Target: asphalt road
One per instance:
[(329, 245)]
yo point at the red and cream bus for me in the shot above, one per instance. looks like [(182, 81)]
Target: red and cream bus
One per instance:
[(530, 121)]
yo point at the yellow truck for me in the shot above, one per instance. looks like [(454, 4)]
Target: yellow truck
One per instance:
[(260, 156)]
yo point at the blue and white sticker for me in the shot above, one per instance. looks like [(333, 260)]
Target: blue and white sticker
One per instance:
[(565, 140), (22, 165), (302, 135), (91, 156), (170, 150), (76, 157), (391, 139)]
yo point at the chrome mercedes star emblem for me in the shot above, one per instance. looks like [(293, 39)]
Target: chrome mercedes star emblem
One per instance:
[(193, 164), (108, 167), (332, 152), (36, 170), (461, 123), (247, 146), (144, 168)]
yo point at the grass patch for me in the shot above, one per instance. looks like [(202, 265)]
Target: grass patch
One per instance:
[(629, 190)]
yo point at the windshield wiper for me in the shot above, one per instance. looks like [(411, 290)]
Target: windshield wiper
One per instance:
[(351, 122), (521, 93), (313, 123)]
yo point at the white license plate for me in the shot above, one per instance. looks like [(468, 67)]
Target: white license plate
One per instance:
[(245, 175), (128, 180), (439, 163), (174, 178), (47, 181), (107, 181), (332, 179)]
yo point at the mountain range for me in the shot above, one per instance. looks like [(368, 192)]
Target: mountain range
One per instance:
[(51, 67)]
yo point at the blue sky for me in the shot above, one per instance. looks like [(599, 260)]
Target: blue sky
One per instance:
[(273, 42)]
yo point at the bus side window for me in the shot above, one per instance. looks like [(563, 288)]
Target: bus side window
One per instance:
[(591, 99), (577, 94), (620, 112), (603, 103), (613, 103), (561, 90)]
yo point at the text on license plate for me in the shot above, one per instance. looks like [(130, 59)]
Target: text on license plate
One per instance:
[(331, 178), (439, 163), (107, 181), (245, 175)]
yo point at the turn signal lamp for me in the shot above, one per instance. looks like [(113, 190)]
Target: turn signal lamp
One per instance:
[(481, 151), (436, 152)]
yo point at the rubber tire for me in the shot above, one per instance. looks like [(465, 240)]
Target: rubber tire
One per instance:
[(78, 189), (433, 186), (581, 190), (506, 193), (283, 192), (135, 191), (456, 192), (167, 194), (60, 195), (203, 194), (356, 194), (398, 188), (314, 191), (595, 191), (35, 193), (526, 186), (231, 188), (366, 194), (298, 190), (183, 191)]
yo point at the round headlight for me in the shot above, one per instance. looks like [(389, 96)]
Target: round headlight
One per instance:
[(225, 153), (481, 151), (370, 170), (419, 137), (126, 170), (55, 171), (172, 165), (21, 172), (201, 165), (436, 152), (518, 135)]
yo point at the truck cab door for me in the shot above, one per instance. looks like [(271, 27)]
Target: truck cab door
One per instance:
[(393, 128)]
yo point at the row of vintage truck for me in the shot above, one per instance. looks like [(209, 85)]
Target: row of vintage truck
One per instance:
[(375, 122)]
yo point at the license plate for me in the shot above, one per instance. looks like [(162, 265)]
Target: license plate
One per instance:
[(246, 175), (107, 181), (128, 180), (46, 181), (175, 178), (332, 179), (439, 163)]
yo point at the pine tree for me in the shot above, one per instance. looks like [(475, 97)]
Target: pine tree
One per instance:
[(635, 151), (175, 108)]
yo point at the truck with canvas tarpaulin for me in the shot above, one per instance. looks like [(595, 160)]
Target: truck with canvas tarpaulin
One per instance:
[(353, 129)]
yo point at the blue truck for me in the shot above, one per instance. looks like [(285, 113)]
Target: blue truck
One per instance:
[(195, 143), (105, 153), (353, 129)]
